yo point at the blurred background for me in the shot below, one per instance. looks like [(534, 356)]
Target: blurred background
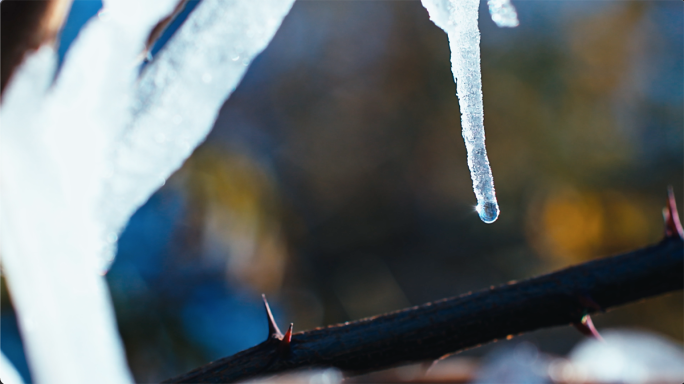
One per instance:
[(335, 179)]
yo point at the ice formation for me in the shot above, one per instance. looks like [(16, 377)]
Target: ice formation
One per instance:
[(79, 155), (179, 96), (458, 18), (503, 13)]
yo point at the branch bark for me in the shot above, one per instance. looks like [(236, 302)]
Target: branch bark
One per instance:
[(432, 330)]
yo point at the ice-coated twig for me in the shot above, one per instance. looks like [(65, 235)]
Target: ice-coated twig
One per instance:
[(179, 95), (503, 13), (77, 157), (458, 18), (52, 150)]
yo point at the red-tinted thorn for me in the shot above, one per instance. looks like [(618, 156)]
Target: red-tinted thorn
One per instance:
[(673, 227), (586, 327), (288, 335), (273, 330), (284, 346)]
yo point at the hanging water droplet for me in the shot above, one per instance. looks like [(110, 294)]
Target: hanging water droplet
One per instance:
[(488, 212), (235, 58)]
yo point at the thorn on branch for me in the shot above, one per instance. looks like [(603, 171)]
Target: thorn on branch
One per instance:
[(273, 331), (673, 227), (586, 327), (288, 335), (284, 346)]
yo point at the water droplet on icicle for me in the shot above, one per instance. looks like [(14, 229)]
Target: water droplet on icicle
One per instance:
[(488, 211)]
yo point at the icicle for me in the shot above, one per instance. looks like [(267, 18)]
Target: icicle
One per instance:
[(503, 13), (458, 18)]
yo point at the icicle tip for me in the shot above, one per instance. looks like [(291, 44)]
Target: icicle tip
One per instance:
[(488, 212)]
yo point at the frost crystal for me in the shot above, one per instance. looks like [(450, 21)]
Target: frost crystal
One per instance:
[(458, 18), (77, 157)]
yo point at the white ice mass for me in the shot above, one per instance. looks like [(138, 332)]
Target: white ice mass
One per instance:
[(458, 18), (8, 373), (80, 155), (503, 13), (179, 95)]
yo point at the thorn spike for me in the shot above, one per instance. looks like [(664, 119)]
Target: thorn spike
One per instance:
[(586, 327), (288, 335), (284, 346), (673, 227), (273, 330)]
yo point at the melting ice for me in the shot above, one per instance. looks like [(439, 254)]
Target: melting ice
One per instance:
[(458, 18)]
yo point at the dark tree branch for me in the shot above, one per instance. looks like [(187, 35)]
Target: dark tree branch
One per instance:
[(432, 330)]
